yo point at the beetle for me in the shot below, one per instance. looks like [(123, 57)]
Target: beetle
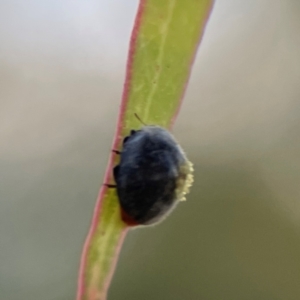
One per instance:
[(153, 175)]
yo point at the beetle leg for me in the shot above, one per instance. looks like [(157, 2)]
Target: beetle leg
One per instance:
[(116, 151), (110, 185)]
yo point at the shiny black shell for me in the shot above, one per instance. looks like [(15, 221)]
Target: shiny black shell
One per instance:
[(148, 174)]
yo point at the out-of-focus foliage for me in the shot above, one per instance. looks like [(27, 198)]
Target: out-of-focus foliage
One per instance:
[(238, 235)]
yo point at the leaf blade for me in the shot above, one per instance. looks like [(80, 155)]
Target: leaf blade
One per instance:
[(162, 49)]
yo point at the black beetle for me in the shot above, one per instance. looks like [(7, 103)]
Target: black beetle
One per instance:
[(152, 176)]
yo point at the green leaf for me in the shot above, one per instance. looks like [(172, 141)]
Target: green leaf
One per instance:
[(162, 49)]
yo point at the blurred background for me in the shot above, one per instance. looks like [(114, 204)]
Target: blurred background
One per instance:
[(237, 237)]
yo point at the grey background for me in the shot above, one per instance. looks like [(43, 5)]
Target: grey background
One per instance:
[(237, 237)]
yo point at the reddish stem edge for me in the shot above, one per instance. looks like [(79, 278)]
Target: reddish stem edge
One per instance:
[(97, 211), (201, 33)]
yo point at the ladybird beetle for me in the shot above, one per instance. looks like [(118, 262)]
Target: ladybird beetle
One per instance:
[(153, 175)]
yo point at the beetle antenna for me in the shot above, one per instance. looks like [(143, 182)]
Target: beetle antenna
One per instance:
[(136, 115)]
